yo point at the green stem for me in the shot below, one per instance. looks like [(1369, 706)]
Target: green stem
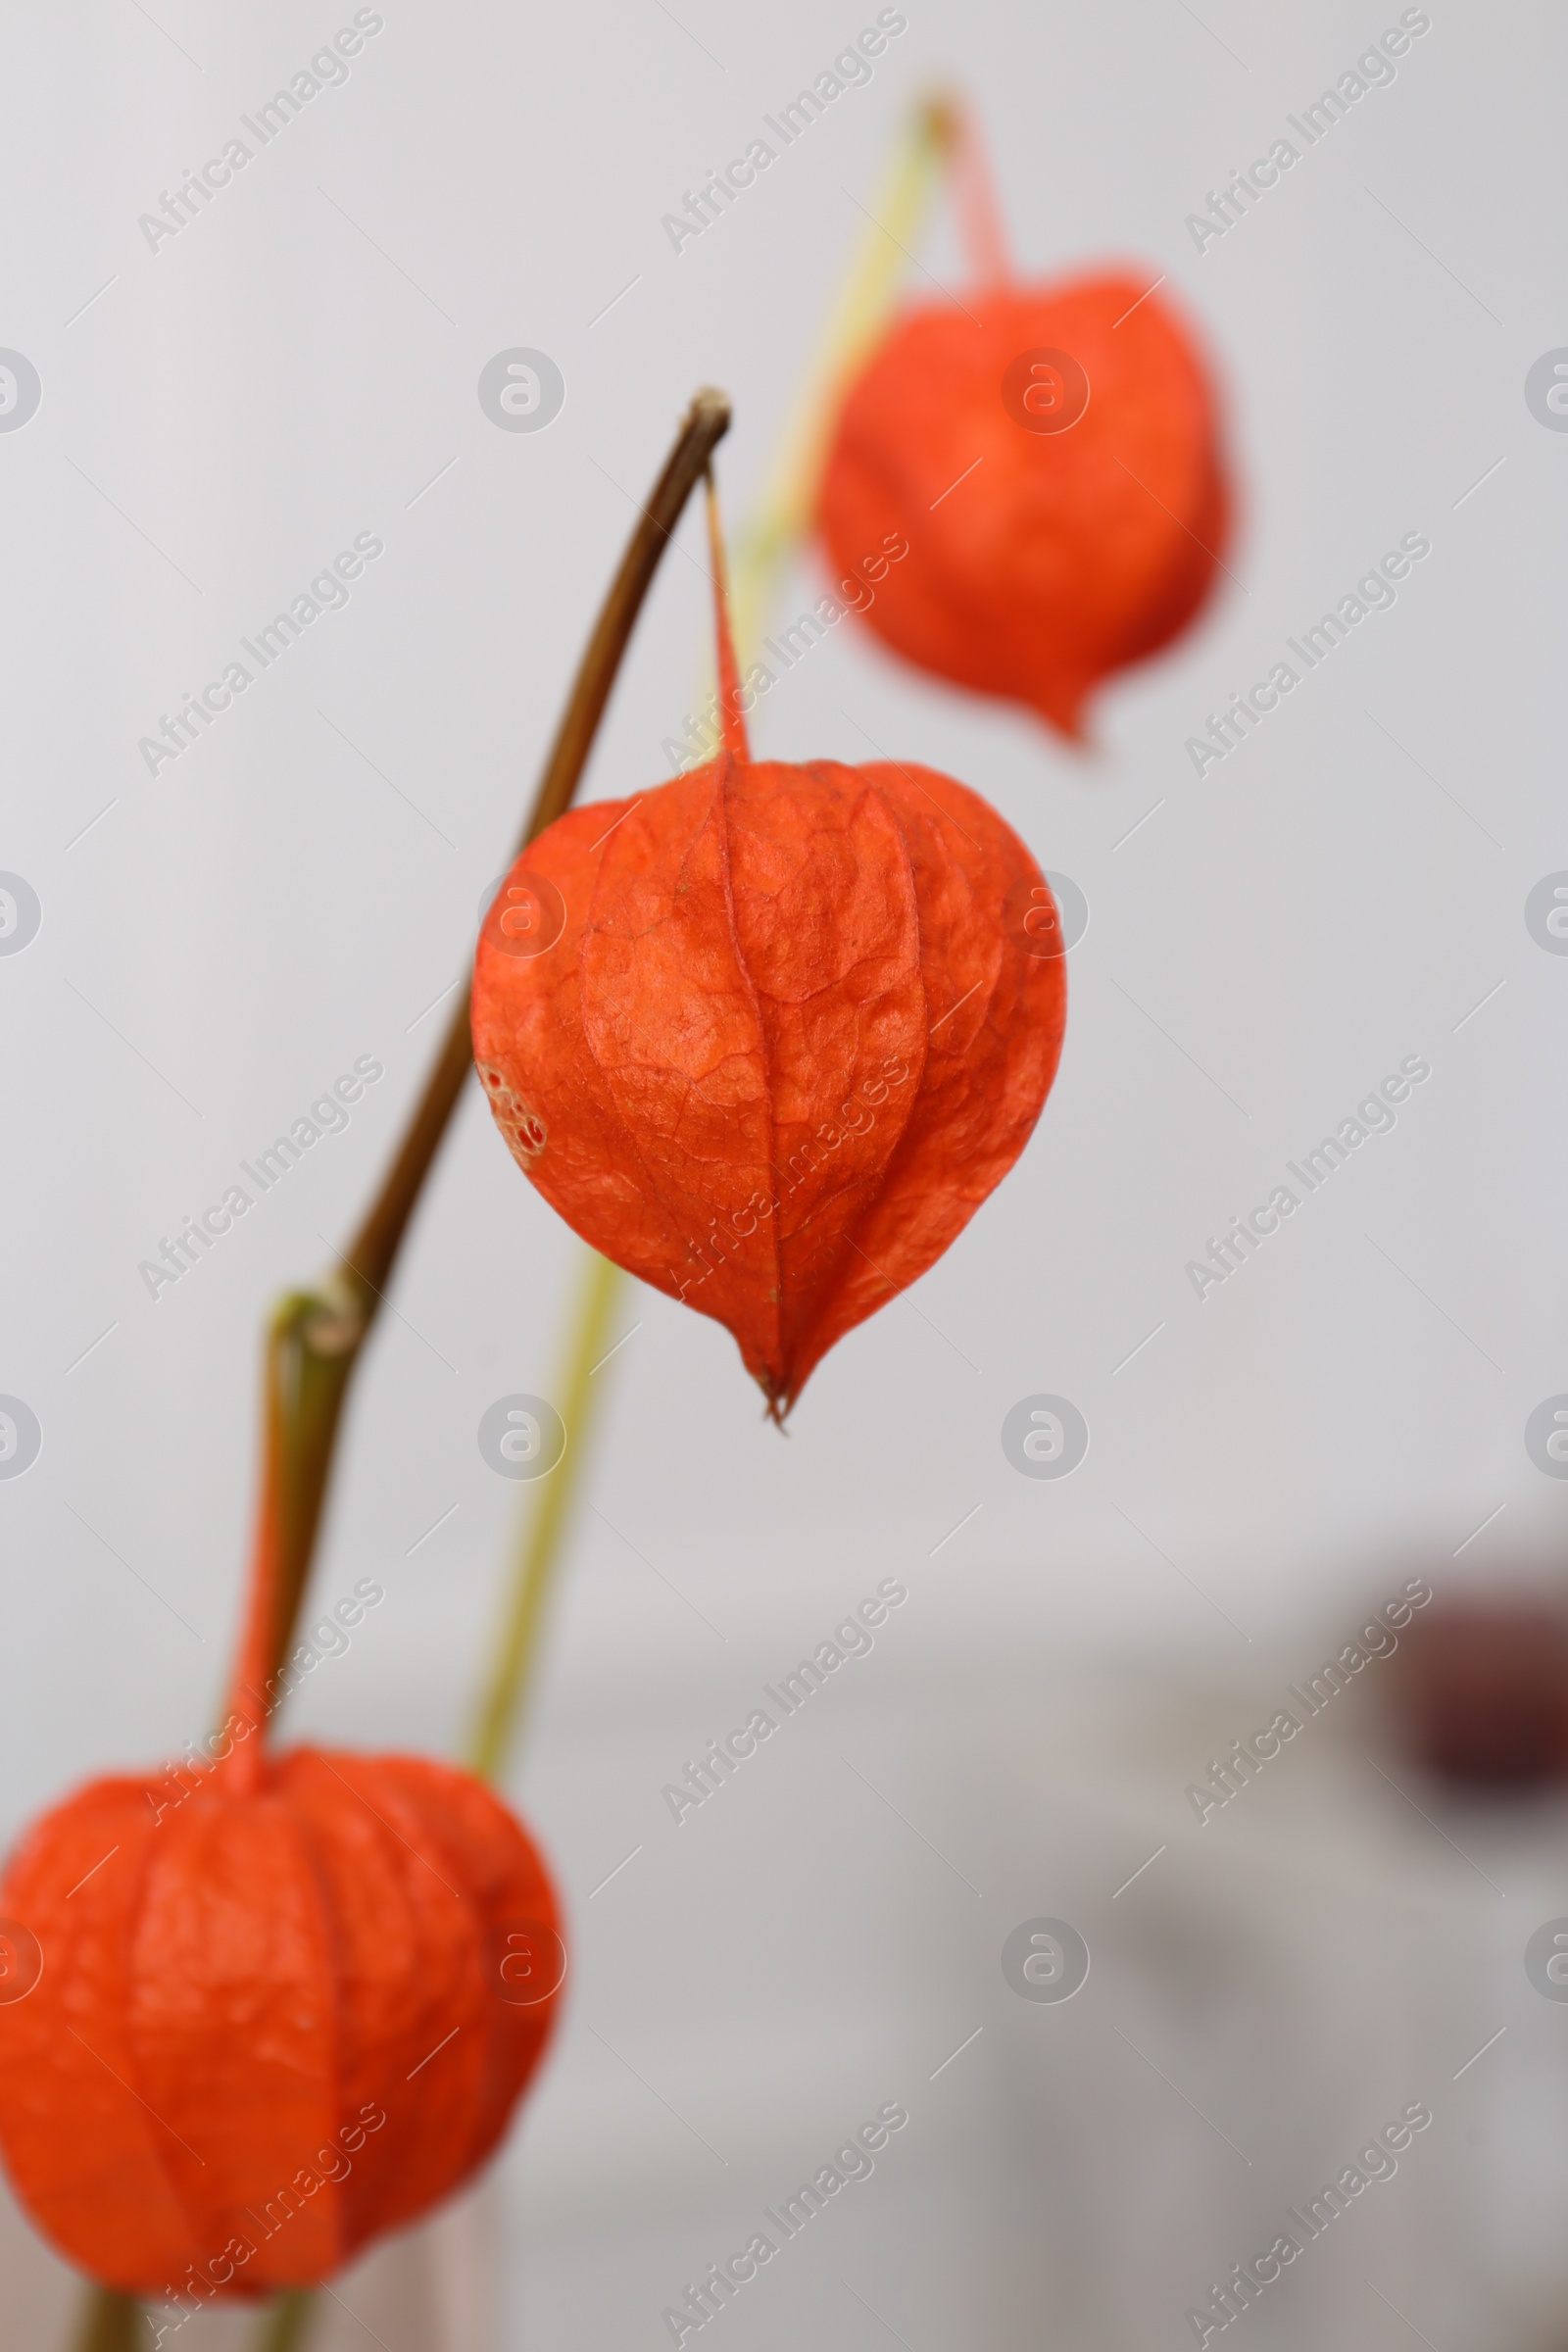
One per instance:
[(286, 2325), (860, 309), (110, 2323), (539, 1548)]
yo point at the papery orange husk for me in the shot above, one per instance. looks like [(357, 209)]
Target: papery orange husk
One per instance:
[(275, 2005), (793, 1028), (269, 2025), (985, 545)]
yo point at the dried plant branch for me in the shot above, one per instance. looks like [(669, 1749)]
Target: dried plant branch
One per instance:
[(315, 1337)]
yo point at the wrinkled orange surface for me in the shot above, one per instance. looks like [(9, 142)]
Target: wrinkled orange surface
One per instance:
[(785, 1045), (234, 1993), (1062, 555)]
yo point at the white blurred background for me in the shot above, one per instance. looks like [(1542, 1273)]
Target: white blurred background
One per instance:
[(218, 418)]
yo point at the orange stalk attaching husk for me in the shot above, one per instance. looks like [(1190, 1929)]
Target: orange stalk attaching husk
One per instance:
[(732, 719), (974, 197)]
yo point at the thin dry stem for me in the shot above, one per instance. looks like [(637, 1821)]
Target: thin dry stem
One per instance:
[(315, 1338)]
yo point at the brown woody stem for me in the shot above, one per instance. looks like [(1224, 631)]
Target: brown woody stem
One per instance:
[(314, 1337)]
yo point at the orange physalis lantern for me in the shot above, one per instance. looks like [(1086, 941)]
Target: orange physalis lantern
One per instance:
[(1052, 456), (767, 1034), (282, 2004)]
